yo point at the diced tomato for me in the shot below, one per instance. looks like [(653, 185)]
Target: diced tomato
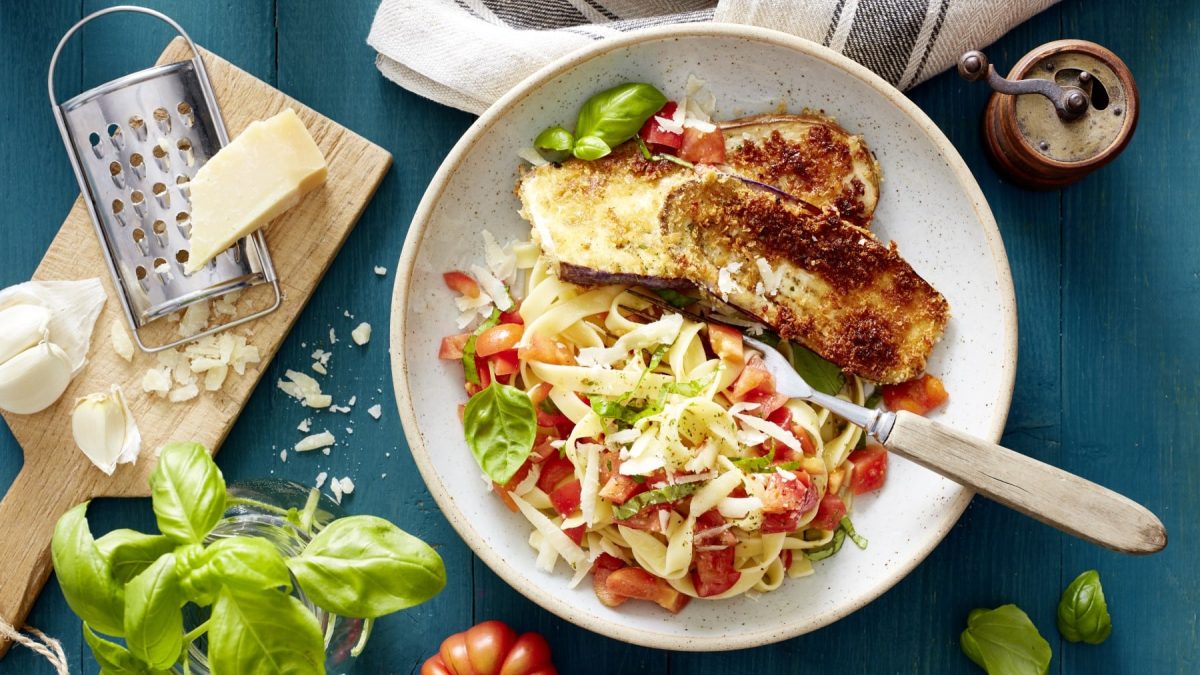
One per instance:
[(554, 471), (870, 469), (513, 315), (917, 396), (545, 350), (782, 418), (576, 533), (498, 338), (806, 442), (539, 393), (543, 451), (754, 377), (452, 346), (505, 362), (787, 521), (658, 138), (619, 489), (703, 147), (829, 513), (462, 411), (726, 343), (714, 573), (605, 565), (768, 403), (788, 494), (503, 490), (635, 582), (565, 498), (462, 283), (710, 520), (558, 421)]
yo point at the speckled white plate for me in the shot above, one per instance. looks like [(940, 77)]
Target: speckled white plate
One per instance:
[(930, 204)]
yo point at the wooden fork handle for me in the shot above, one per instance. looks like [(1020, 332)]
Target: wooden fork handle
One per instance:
[(1055, 497)]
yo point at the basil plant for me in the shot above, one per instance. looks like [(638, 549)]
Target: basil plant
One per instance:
[(131, 585)]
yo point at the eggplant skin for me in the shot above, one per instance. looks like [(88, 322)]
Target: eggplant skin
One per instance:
[(842, 293), (808, 156)]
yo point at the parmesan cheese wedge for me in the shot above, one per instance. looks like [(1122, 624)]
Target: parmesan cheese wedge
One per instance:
[(262, 173)]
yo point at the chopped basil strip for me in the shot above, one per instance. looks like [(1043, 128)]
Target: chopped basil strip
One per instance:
[(828, 550), (859, 540), (468, 357), (763, 464), (668, 493), (875, 398)]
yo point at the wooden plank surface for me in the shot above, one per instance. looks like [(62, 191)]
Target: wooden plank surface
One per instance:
[(303, 242), (1107, 384)]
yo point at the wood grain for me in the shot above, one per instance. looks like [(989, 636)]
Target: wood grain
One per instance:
[(302, 243), (1046, 493)]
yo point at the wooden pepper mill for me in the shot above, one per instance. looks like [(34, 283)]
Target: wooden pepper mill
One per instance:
[(1066, 109)]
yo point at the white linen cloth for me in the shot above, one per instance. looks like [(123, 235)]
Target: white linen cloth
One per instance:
[(468, 53)]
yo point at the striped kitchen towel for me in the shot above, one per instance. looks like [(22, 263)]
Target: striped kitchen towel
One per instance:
[(468, 53)]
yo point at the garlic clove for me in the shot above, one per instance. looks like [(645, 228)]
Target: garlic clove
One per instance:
[(23, 327), (73, 305), (34, 379), (105, 430)]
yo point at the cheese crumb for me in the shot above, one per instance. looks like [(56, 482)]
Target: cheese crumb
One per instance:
[(315, 442), (381, 270), (195, 319), (121, 343), (375, 411), (347, 486), (332, 336), (318, 368), (352, 401), (361, 334), (335, 486), (725, 281), (321, 479), (304, 425), (283, 455), (157, 380), (304, 389), (185, 393)]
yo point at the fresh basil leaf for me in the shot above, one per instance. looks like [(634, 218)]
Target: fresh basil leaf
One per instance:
[(667, 493), (130, 552), (756, 464), (187, 491), (820, 374), (770, 338), (248, 564), (620, 411), (468, 357), (112, 657), (153, 614), (674, 298), (265, 632), (1083, 612), (616, 115), (84, 574), (366, 567), (198, 582), (859, 540), (830, 549), (590, 148), (500, 425), (554, 138), (1003, 641)]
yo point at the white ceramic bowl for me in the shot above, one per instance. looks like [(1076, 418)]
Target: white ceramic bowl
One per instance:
[(930, 204)]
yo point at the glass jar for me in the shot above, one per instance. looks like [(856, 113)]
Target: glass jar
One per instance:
[(259, 509)]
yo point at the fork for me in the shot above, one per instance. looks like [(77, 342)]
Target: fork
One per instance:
[(1043, 492), (1057, 498)]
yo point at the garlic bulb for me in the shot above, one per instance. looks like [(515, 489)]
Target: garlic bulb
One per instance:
[(105, 430), (34, 378), (74, 307), (23, 327)]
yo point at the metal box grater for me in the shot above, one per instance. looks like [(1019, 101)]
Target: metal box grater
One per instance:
[(135, 143)]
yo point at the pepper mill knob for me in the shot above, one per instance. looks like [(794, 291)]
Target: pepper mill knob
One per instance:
[(1066, 109)]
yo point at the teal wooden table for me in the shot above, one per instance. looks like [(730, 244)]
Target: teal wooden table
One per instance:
[(1107, 274)]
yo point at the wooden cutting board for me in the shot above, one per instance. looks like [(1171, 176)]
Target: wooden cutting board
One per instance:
[(302, 243)]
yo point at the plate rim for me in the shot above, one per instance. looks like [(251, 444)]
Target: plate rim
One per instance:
[(410, 253)]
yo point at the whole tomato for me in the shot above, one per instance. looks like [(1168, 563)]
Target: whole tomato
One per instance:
[(491, 648)]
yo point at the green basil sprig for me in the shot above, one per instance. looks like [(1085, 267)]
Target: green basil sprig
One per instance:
[(368, 568), (667, 493), (1003, 641), (605, 121), (500, 424), (134, 585), (1083, 612)]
